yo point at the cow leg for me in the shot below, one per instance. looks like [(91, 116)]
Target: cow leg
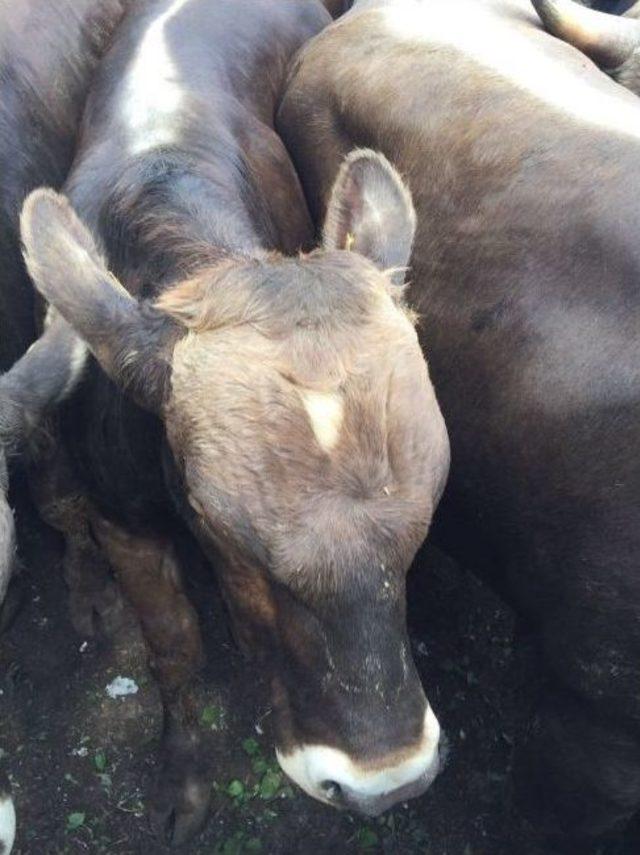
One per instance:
[(577, 771), (583, 754), (95, 603), (148, 572)]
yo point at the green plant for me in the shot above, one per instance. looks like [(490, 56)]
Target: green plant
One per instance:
[(75, 820), (212, 717), (238, 844), (100, 761), (366, 839)]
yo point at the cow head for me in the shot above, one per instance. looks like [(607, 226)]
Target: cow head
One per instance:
[(612, 42), (311, 452)]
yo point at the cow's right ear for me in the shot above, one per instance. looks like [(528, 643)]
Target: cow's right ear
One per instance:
[(125, 336), (370, 211)]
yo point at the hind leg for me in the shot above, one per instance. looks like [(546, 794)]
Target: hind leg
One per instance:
[(148, 572), (95, 603)]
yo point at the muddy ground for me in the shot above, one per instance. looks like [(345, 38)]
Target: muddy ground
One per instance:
[(81, 762)]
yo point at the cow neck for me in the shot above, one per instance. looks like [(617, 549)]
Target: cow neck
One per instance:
[(192, 224)]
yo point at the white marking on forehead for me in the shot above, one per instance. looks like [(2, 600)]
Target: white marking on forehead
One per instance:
[(312, 765), (326, 412), (153, 91), (7, 823), (508, 48)]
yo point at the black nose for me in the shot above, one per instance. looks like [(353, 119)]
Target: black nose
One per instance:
[(333, 792), (375, 805)]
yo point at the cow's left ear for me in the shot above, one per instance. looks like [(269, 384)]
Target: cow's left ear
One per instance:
[(131, 341), (370, 211)]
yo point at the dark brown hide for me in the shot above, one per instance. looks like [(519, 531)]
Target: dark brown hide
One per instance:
[(522, 162), (49, 50), (48, 53)]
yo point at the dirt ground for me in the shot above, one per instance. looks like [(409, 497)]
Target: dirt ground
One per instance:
[(81, 762)]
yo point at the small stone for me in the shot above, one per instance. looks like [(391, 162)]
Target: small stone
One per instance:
[(121, 686), (80, 752)]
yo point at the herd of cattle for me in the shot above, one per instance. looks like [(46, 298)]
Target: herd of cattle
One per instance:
[(267, 223)]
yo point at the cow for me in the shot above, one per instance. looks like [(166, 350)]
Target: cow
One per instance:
[(276, 397), (521, 160), (43, 85), (612, 42)]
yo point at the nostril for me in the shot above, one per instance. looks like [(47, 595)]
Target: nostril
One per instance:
[(332, 790)]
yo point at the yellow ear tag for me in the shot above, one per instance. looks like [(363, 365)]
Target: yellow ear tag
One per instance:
[(349, 241)]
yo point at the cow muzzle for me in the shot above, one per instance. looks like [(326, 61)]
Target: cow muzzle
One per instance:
[(331, 776)]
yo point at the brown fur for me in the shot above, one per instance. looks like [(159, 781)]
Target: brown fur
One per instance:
[(210, 326), (339, 337)]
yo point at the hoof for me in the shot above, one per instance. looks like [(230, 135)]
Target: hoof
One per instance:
[(179, 807), (97, 613)]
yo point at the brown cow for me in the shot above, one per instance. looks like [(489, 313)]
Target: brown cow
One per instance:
[(522, 159), (49, 50), (43, 86), (301, 435)]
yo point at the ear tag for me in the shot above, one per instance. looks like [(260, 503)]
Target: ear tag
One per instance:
[(349, 242)]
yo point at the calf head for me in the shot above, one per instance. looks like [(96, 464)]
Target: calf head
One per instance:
[(312, 454)]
